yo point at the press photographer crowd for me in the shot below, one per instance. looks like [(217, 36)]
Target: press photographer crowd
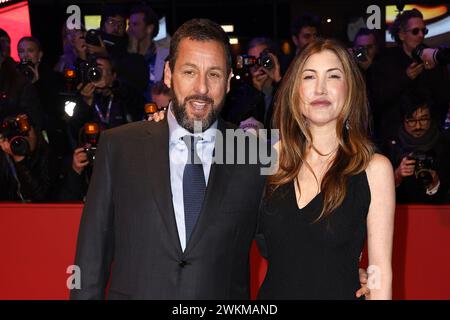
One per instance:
[(52, 117)]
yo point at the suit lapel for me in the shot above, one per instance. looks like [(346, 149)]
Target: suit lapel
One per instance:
[(157, 151)]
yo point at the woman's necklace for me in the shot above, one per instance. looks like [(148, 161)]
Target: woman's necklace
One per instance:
[(322, 154)]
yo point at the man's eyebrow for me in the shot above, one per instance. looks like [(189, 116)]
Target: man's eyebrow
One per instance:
[(187, 64)]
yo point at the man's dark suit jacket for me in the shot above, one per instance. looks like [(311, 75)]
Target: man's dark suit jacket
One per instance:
[(128, 234)]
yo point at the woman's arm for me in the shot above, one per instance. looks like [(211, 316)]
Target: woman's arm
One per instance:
[(380, 226)]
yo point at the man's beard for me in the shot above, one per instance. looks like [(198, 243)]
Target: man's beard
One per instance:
[(181, 114), (419, 132)]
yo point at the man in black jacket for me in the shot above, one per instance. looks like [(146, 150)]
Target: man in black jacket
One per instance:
[(255, 98), (26, 177), (160, 227), (397, 71), (420, 154), (107, 101)]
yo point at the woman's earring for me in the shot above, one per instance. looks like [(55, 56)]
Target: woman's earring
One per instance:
[(347, 124)]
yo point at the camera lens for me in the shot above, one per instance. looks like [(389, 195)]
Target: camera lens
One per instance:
[(92, 37), (19, 146), (94, 74), (425, 177), (266, 61)]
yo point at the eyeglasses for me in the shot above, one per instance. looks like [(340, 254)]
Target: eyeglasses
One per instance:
[(413, 122), (415, 31)]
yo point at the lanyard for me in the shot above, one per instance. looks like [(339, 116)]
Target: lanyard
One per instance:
[(104, 119)]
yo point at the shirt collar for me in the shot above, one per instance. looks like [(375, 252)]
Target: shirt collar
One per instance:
[(176, 132)]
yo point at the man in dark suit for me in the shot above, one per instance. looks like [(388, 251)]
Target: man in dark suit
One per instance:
[(156, 226)]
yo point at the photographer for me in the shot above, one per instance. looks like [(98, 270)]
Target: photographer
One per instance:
[(255, 97), (112, 40), (398, 70), (25, 162), (143, 28), (161, 95), (74, 184), (74, 47), (420, 154), (5, 43), (365, 48), (48, 84), (105, 101), (17, 95), (304, 30)]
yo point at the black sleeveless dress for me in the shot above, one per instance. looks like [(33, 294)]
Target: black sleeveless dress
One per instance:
[(313, 260)]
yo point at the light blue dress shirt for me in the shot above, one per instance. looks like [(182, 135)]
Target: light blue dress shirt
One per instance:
[(178, 154)]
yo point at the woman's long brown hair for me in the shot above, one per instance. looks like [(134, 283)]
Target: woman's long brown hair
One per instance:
[(354, 150)]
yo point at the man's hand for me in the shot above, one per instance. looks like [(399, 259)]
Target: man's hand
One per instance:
[(6, 147), (97, 50), (259, 79), (251, 125), (35, 73), (405, 169), (428, 58), (87, 92), (79, 160), (157, 116), (414, 69), (364, 291), (435, 181)]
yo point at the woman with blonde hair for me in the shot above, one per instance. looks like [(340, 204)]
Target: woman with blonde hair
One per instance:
[(74, 47), (331, 190)]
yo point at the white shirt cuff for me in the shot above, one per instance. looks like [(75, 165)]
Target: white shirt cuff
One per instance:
[(432, 191)]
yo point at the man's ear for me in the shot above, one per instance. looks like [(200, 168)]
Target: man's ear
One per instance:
[(40, 56), (401, 35), (229, 80), (167, 74)]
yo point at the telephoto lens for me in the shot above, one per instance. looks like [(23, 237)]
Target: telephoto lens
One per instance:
[(15, 129)]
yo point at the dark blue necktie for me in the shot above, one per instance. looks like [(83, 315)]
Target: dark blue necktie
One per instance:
[(194, 186)]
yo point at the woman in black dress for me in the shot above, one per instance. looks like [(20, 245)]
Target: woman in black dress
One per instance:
[(330, 191)]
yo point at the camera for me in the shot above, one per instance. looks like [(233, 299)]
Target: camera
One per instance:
[(246, 61), (150, 109), (360, 54), (15, 129), (92, 37), (423, 167), (90, 137), (440, 56), (87, 71), (24, 68)]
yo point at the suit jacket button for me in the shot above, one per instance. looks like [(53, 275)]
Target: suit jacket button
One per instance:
[(183, 263)]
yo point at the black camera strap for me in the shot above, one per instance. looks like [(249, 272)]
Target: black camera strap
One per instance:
[(104, 119)]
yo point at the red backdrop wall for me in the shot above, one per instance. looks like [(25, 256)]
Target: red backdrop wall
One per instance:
[(37, 244), (15, 20)]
